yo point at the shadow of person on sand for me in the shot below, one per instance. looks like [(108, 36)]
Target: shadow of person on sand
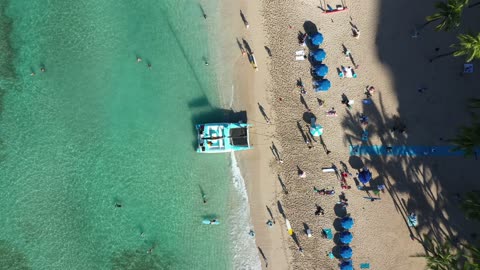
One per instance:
[(284, 188), (280, 209)]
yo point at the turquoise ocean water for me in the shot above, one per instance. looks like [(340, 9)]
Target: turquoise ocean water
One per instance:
[(98, 128)]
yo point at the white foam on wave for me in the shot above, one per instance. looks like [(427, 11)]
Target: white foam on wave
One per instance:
[(244, 249)]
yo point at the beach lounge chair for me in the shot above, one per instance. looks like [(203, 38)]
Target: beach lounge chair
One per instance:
[(300, 55), (365, 266), (327, 233), (467, 68), (300, 52)]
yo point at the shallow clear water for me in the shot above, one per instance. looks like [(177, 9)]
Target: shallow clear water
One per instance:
[(98, 128)]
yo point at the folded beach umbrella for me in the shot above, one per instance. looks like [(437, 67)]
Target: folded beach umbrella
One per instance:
[(346, 237), (365, 176), (346, 252), (319, 55), (316, 130), (346, 265), (322, 85), (317, 39), (347, 223), (321, 70)]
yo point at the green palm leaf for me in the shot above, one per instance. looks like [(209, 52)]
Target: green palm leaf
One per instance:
[(440, 256), (449, 14), (471, 207), (469, 45), (467, 140)]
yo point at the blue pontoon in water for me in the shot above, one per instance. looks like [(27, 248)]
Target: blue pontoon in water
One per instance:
[(223, 137)]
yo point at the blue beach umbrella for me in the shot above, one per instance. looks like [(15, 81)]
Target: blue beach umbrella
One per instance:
[(365, 176), (346, 265), (346, 237), (317, 39), (347, 223), (321, 70), (322, 85), (316, 130), (319, 55), (346, 252)]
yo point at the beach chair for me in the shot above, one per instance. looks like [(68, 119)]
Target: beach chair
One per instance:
[(365, 266), (327, 233), (300, 57), (467, 68)]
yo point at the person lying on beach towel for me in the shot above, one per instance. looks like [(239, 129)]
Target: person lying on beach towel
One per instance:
[(324, 191), (331, 112), (348, 71)]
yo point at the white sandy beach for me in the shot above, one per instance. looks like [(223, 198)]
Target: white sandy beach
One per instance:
[(396, 65)]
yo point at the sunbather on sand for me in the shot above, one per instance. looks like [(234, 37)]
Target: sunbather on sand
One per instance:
[(331, 112), (324, 191)]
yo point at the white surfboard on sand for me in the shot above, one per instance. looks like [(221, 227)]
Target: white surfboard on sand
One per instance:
[(289, 227), (254, 62)]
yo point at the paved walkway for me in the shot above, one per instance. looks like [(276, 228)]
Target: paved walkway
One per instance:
[(372, 150)]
